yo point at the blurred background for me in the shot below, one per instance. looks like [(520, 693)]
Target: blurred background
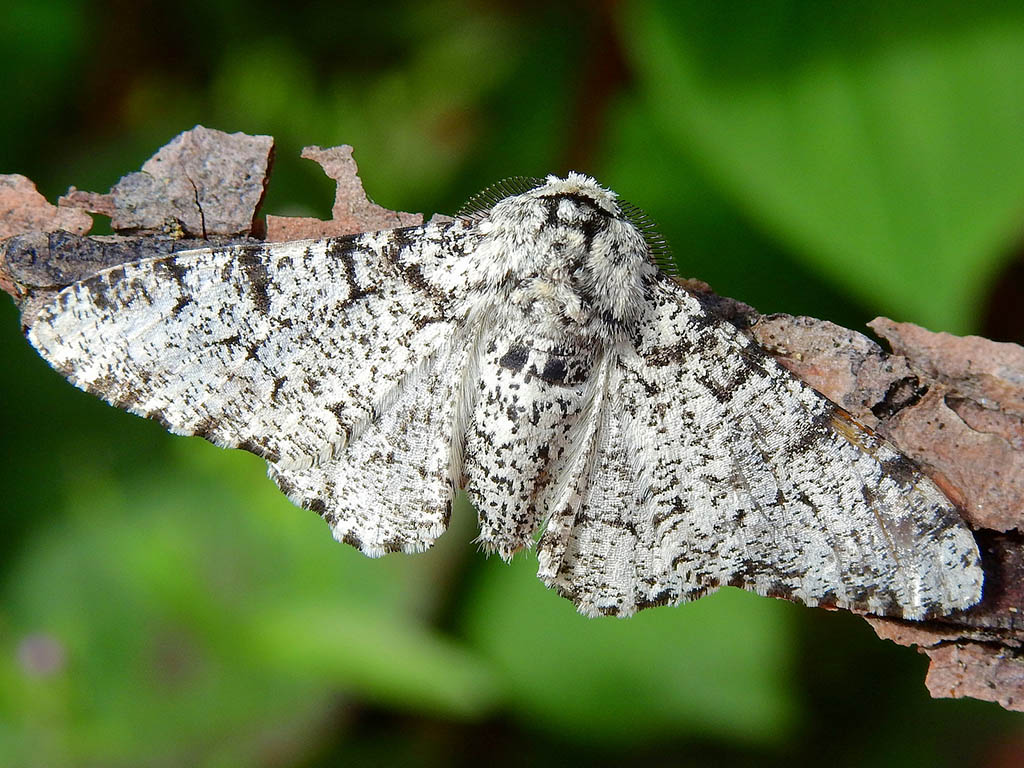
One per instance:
[(162, 604)]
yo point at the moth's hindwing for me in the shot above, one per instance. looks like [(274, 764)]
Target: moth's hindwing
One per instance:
[(391, 490)]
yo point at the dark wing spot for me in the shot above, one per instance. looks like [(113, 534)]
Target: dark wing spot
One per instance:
[(902, 470), (554, 370), (278, 383), (183, 301), (515, 359), (171, 268), (258, 277)]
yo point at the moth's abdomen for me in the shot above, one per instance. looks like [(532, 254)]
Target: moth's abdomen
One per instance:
[(530, 401)]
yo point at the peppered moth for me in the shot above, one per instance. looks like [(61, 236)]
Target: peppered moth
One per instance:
[(533, 353)]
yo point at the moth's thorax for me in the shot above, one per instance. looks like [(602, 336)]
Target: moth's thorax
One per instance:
[(565, 257)]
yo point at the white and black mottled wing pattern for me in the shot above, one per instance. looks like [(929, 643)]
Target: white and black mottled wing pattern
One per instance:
[(711, 465), (533, 354), (280, 349), (392, 489), (532, 402)]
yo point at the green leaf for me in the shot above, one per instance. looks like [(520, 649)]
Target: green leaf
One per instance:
[(719, 668), (881, 140), (396, 664), (193, 606), (711, 239)]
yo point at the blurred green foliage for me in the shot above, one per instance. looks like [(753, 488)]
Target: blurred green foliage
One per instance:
[(162, 604)]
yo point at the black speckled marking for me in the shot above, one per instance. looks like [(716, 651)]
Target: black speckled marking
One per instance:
[(515, 358), (183, 301), (554, 370), (901, 469), (338, 409), (659, 357), (98, 290), (251, 262), (173, 269), (278, 383)]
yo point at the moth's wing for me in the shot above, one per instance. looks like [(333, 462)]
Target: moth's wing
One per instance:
[(392, 488), (711, 465), (281, 349), (529, 403)]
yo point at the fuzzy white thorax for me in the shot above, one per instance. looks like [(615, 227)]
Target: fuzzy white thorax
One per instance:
[(564, 256)]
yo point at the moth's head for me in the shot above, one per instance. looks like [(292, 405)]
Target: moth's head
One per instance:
[(569, 244)]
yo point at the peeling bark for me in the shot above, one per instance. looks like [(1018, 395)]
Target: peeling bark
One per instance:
[(353, 211)]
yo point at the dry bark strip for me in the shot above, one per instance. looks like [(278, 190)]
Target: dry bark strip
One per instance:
[(954, 405), (353, 212)]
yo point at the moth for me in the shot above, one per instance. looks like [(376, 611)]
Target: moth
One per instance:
[(533, 352)]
